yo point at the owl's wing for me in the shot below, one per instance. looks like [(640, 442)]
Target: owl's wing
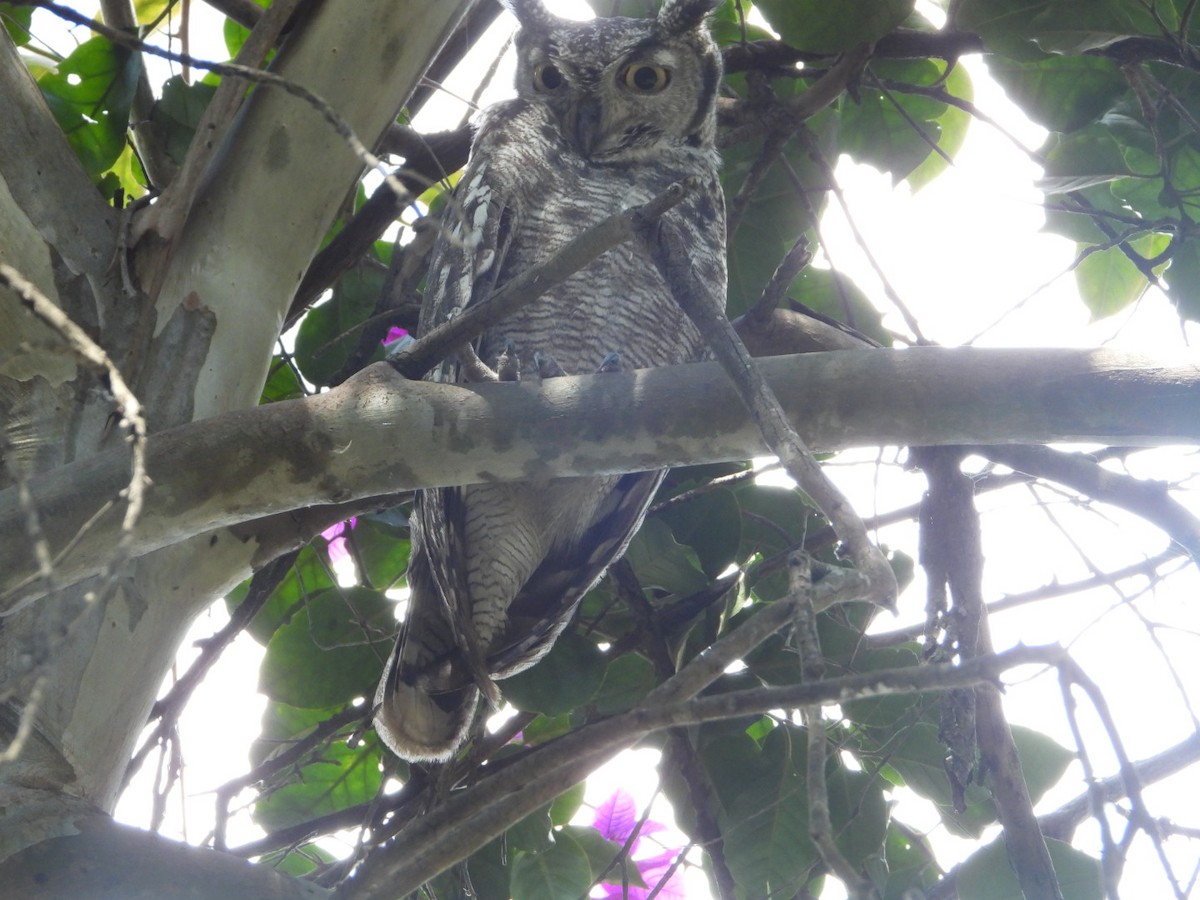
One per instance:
[(544, 605), (475, 235), (427, 697)]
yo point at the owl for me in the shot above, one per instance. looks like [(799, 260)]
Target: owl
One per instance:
[(609, 113)]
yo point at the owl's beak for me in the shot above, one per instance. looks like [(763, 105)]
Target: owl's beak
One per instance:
[(586, 127)]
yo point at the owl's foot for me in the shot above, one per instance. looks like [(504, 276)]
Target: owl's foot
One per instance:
[(610, 363), (474, 368), (508, 364), (547, 365)]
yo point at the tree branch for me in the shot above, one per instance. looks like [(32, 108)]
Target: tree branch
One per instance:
[(472, 817), (380, 434)]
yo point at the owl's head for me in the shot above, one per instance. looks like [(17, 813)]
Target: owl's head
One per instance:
[(622, 89)]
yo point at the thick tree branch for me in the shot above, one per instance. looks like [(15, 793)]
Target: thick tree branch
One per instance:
[(379, 433)]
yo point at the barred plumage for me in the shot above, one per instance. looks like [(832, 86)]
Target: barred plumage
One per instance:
[(609, 113)]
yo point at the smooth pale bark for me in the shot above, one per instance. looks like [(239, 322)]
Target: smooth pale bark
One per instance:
[(279, 177), (274, 190), (378, 434)]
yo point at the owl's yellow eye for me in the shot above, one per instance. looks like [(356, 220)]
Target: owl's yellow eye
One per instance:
[(548, 77), (646, 78)]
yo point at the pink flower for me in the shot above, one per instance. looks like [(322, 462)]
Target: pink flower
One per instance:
[(335, 537), (616, 819)]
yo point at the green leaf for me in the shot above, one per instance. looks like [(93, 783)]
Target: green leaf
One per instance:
[(987, 874), (310, 574), (601, 852), (894, 131), (568, 677), (1043, 760), (330, 331), (90, 94), (1108, 280), (566, 804), (858, 812), (709, 523), (17, 19), (662, 562), (532, 833), (1183, 279), (381, 551), (343, 777), (627, 680), (765, 822), (282, 383), (912, 867), (953, 123), (178, 112), (835, 295), (1019, 28), (561, 872), (779, 210), (1062, 93), (822, 27), (1083, 158), (330, 652)]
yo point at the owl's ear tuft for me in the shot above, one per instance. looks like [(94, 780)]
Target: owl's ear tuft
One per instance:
[(678, 16), (530, 13)]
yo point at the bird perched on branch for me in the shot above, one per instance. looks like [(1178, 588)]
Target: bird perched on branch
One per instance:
[(609, 114)]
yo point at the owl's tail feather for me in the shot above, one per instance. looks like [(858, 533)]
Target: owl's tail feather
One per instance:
[(418, 724)]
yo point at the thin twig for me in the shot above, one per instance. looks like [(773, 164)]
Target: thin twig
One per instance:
[(416, 359), (666, 247)]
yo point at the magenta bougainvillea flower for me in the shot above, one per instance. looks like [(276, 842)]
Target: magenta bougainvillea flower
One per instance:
[(615, 819), (335, 538)]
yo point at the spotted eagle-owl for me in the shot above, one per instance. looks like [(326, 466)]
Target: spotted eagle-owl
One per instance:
[(609, 113)]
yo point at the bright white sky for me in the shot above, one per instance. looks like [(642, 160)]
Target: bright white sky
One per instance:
[(960, 253)]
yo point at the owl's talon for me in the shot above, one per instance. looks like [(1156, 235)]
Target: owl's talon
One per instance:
[(610, 363), (508, 364), (547, 365), (473, 368)]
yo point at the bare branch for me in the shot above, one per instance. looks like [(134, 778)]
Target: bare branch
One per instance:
[(474, 816), (669, 253), (417, 359)]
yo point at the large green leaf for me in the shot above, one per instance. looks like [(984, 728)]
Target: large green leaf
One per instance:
[(561, 872), (331, 651), (568, 677), (988, 875), (953, 123), (342, 777), (330, 332), (627, 680), (16, 19), (822, 27), (1062, 93), (308, 575), (782, 208), (662, 562), (178, 112), (1183, 279), (90, 94), (765, 811), (1109, 281), (1023, 28), (709, 523), (891, 130)]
